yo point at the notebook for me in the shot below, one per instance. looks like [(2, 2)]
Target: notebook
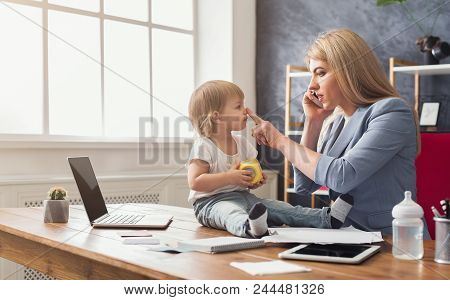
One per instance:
[(220, 244)]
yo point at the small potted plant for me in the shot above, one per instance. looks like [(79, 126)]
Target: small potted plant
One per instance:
[(56, 208)]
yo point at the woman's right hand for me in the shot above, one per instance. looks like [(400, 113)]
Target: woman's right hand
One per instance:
[(312, 111), (235, 176)]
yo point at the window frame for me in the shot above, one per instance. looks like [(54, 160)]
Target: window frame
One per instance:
[(49, 140)]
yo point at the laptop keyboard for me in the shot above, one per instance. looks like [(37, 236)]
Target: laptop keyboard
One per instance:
[(122, 219)]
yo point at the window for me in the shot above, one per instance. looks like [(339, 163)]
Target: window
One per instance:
[(74, 79), (101, 69), (21, 106), (172, 83), (126, 52)]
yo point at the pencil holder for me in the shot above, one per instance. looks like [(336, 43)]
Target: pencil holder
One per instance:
[(253, 166), (442, 243)]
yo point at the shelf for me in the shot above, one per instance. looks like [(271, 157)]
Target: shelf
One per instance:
[(291, 190), (299, 74), (295, 132), (321, 193), (292, 129), (424, 70)]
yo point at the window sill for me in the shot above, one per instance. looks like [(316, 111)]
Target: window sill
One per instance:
[(92, 143), (130, 176), (27, 180)]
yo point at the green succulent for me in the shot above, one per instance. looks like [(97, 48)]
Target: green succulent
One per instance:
[(57, 193), (387, 2)]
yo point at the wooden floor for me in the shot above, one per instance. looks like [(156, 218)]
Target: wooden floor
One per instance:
[(76, 251)]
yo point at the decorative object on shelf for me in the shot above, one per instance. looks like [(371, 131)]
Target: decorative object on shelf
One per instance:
[(56, 208), (433, 48), (429, 114), (433, 112)]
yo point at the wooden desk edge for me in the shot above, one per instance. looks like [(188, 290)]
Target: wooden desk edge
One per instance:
[(48, 256)]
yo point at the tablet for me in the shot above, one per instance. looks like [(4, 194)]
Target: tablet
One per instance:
[(336, 253)]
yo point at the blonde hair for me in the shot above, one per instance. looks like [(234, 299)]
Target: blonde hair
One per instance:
[(358, 72), (207, 99)]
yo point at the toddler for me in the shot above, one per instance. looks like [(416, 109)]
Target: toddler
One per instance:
[(220, 192)]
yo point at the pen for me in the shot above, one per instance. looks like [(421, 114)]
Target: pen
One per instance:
[(445, 207), (436, 212)]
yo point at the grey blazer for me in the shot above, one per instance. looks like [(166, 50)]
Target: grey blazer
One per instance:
[(372, 158)]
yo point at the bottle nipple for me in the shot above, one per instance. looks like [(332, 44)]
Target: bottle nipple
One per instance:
[(408, 196)]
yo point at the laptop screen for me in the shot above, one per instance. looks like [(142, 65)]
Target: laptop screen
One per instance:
[(88, 186)]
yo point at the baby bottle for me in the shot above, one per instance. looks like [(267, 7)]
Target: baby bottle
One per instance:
[(407, 229)]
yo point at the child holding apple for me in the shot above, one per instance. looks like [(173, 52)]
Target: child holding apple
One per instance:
[(220, 189)]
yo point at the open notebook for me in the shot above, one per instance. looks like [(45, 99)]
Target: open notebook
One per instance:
[(220, 244)]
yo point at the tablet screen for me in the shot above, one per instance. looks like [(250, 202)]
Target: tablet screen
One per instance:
[(334, 250)]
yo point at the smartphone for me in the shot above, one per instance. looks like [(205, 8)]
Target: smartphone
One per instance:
[(316, 100)]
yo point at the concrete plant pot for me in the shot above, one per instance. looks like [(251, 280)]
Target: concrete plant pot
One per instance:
[(56, 211)]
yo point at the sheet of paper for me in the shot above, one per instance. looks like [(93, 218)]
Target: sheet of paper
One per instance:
[(269, 267), (347, 235)]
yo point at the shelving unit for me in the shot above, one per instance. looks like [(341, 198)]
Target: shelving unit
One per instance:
[(319, 192), (291, 128), (409, 67)]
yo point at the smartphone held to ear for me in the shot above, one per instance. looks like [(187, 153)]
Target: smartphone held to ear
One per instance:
[(315, 99)]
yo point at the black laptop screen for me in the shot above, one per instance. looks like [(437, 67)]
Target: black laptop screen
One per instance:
[(88, 186)]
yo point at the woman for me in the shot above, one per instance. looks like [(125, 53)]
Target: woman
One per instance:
[(369, 150)]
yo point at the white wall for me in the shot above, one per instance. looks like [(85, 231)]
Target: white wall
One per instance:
[(215, 40), (226, 43), (244, 48)]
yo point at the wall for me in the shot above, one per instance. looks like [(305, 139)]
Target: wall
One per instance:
[(285, 29), (226, 45)]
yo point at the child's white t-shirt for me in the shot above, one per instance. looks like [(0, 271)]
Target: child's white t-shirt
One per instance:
[(205, 149)]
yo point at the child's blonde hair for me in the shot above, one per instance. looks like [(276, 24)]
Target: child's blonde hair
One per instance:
[(208, 98)]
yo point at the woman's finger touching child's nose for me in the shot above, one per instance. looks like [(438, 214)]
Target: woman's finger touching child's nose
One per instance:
[(254, 116)]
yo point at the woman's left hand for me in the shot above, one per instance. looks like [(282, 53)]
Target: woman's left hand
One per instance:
[(264, 132)]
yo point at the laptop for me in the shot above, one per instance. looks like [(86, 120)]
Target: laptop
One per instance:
[(95, 204)]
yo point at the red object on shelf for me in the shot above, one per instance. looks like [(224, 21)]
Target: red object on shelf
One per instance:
[(433, 174)]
